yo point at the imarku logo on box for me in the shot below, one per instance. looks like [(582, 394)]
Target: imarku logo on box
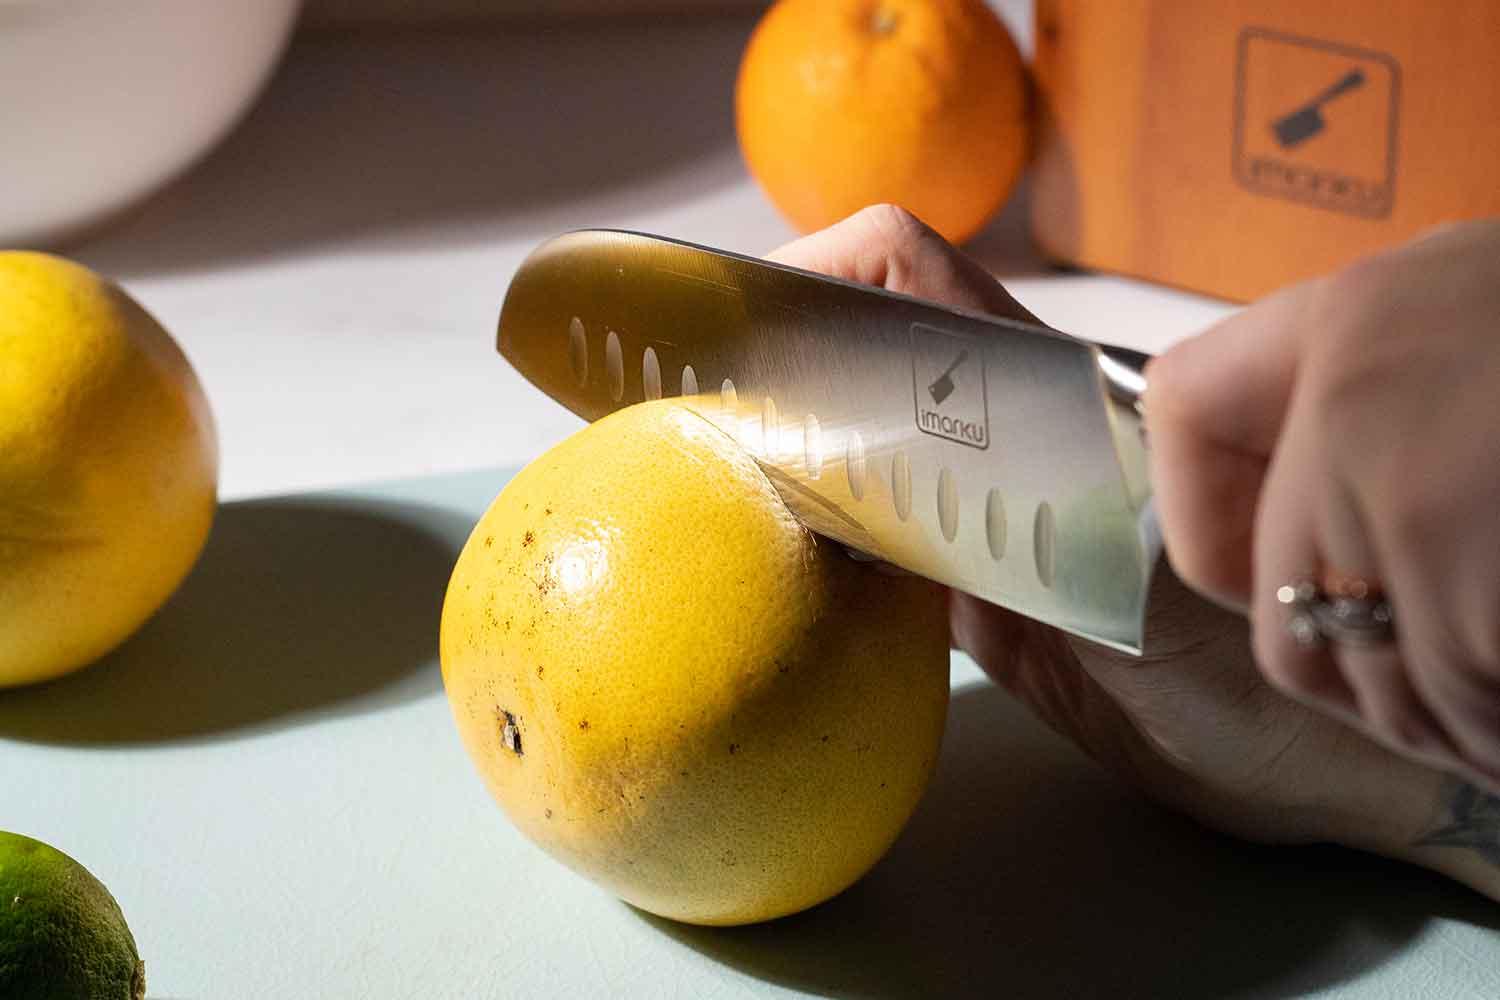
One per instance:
[(1315, 121), (948, 387)]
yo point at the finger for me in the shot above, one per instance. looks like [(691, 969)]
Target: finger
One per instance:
[(1440, 546), (1430, 583), (888, 247), (992, 636), (1214, 408), (1205, 496), (1389, 706), (1037, 666), (1286, 550), (1466, 701), (1467, 704)]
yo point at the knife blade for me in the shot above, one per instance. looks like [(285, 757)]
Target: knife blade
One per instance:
[(1001, 458)]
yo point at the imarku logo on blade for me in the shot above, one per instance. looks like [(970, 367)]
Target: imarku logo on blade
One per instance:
[(1315, 121), (948, 387)]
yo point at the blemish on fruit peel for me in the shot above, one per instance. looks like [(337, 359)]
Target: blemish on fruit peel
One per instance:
[(510, 734), (883, 20)]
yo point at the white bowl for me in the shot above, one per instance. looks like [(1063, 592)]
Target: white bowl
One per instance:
[(103, 101)]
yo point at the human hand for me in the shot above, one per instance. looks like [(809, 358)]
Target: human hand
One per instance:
[(1349, 427), (1192, 723)]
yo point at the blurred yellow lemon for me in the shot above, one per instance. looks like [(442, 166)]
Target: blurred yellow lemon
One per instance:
[(679, 691), (108, 467)]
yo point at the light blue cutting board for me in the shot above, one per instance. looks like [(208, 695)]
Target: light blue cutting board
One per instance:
[(268, 779)]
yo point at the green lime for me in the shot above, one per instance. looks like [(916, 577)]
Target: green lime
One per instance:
[(62, 935)]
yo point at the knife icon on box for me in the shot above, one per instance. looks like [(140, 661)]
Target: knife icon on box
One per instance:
[(1296, 127)]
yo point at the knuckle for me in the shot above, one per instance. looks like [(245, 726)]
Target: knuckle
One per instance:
[(901, 233), (912, 258), (1344, 390), (1171, 391), (895, 222), (1198, 562), (1417, 514), (1349, 312), (1360, 291)]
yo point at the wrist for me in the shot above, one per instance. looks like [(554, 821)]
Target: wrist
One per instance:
[(1411, 812), (1460, 837)]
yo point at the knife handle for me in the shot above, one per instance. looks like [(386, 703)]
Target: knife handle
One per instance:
[(1124, 371)]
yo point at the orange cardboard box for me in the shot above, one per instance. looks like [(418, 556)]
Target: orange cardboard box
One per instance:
[(1234, 147)]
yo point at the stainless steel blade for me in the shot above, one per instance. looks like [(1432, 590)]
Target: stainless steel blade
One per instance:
[(1004, 459)]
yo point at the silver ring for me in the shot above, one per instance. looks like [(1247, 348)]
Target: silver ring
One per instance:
[(1347, 620)]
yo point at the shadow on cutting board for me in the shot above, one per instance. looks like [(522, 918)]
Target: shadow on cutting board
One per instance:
[(298, 608), (1028, 872)]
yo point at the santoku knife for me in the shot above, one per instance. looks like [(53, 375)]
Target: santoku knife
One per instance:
[(998, 457)]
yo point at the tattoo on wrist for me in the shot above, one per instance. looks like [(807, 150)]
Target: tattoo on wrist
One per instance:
[(1470, 818)]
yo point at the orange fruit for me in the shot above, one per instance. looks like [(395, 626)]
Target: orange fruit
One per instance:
[(842, 104)]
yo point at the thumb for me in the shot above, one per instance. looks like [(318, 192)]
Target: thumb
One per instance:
[(1214, 409), (890, 248)]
